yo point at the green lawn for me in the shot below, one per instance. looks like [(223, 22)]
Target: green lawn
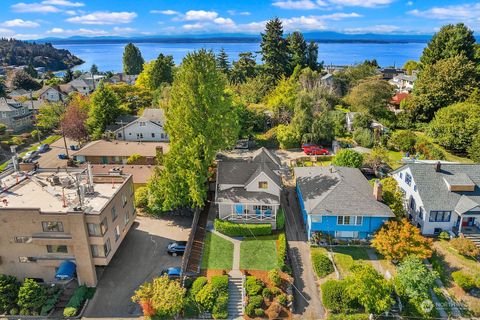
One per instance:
[(345, 257), (394, 159), (217, 253), (259, 253)]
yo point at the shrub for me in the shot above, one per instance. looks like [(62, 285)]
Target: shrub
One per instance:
[(465, 247), (206, 297), (321, 264), (134, 158), (24, 312), (18, 141), (250, 310), (36, 134), (220, 309), (256, 301), (276, 291), (444, 235), (69, 312), (287, 137), (403, 141), (274, 310), (348, 158), (50, 303), (31, 295), (79, 296), (463, 280), (282, 299), (335, 297), (13, 311), (242, 230), (253, 286), (187, 282), (281, 251), (267, 293), (197, 285), (9, 287), (364, 137), (220, 284), (259, 312), (274, 277), (280, 219), (141, 197), (342, 316)]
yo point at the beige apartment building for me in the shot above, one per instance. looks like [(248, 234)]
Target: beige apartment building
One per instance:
[(48, 217)]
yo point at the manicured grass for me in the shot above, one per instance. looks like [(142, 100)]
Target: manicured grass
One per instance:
[(345, 257), (217, 253), (448, 155), (259, 253)]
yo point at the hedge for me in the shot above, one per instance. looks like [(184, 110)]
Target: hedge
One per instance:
[(220, 283), (463, 280), (280, 219), (220, 309), (321, 264), (335, 297), (197, 285), (342, 316), (253, 286), (69, 312), (242, 230), (281, 251), (81, 294)]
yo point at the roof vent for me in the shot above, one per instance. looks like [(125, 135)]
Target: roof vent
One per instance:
[(438, 166)]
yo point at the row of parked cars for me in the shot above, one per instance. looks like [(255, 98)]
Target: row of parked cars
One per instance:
[(31, 155), (176, 248)]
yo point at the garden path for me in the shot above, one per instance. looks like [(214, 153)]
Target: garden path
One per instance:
[(374, 260)]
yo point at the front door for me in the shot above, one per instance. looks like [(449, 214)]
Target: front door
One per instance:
[(468, 222), (104, 160)]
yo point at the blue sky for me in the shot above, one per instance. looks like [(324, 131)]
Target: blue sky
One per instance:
[(26, 19)]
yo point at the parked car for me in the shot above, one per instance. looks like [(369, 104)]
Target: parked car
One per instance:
[(306, 147), (43, 148), (317, 151), (62, 156), (29, 156), (173, 272), (177, 248)]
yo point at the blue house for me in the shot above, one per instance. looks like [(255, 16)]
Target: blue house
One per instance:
[(340, 202)]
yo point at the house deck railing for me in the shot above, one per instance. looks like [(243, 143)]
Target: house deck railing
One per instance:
[(250, 217)]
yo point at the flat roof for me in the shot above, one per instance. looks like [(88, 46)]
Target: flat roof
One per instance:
[(44, 191), (121, 148)]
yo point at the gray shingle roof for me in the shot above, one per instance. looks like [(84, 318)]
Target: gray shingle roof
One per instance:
[(9, 105), (154, 115), (240, 195), (238, 172), (338, 191), (434, 191)]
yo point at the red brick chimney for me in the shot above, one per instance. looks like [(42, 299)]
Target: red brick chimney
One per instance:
[(377, 190)]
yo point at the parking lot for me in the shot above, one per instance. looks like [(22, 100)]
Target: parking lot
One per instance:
[(50, 159), (141, 257)]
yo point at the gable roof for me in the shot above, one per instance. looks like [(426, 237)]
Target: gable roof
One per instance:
[(434, 192), (267, 156), (9, 105), (338, 191), (154, 115)]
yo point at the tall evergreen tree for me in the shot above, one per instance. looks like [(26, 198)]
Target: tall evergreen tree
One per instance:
[(222, 61), (244, 68), (68, 76), (312, 56), (156, 72), (132, 59), (104, 110), (297, 47), (31, 71), (94, 69), (200, 122), (274, 50)]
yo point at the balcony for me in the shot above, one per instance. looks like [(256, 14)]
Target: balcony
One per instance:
[(58, 238)]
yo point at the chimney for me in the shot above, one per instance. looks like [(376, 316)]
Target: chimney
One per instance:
[(377, 190), (438, 166)]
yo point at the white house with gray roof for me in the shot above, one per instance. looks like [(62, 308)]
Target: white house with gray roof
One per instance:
[(15, 115), (248, 189), (441, 196), (150, 126)]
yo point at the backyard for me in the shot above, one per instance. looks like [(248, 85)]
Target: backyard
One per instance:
[(259, 253)]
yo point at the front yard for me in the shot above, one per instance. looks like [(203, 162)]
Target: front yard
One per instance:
[(217, 253), (259, 253)]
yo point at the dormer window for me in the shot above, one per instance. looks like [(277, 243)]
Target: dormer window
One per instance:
[(142, 124), (263, 185), (408, 179)]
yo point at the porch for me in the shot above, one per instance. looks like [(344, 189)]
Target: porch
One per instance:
[(248, 213)]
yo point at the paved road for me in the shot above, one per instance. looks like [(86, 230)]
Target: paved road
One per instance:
[(308, 304), (50, 159), (141, 256)]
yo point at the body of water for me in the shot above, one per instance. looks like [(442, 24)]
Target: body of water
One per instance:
[(108, 56)]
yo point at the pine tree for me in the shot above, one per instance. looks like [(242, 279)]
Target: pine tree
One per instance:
[(156, 72), (312, 56), (94, 69), (31, 71), (68, 76), (222, 61), (132, 59), (274, 50), (297, 47), (244, 68)]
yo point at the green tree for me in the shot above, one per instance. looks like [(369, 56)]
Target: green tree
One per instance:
[(274, 50), (312, 56), (338, 121), (19, 79), (287, 137), (31, 295), (281, 101), (297, 48), (454, 126), (474, 149), (222, 61), (369, 288), (49, 116), (244, 68), (448, 81), (403, 140), (68, 76), (364, 137), (393, 196), (412, 65), (156, 73), (414, 280), (31, 71), (322, 129), (9, 287), (166, 297), (132, 98), (370, 96), (252, 91), (362, 121), (451, 41), (94, 69), (351, 76), (132, 59), (104, 110), (348, 158), (200, 122)]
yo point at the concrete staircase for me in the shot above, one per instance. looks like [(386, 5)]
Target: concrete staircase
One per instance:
[(475, 237), (235, 297)]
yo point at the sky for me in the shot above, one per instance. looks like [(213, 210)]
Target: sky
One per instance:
[(24, 19)]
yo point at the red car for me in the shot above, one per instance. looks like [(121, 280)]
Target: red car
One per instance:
[(317, 151), (306, 147)]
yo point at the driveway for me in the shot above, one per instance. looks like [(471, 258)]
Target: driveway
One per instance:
[(141, 257), (307, 302), (50, 159)]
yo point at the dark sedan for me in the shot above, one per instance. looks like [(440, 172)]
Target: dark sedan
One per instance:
[(176, 248)]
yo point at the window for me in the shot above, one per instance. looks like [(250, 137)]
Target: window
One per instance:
[(57, 249), (117, 232), (316, 218), (52, 226), (440, 216), (359, 221), (127, 217), (99, 251), (420, 213), (104, 226), (153, 135), (142, 123), (114, 213), (408, 179), (263, 185), (139, 135), (124, 200), (415, 188), (119, 135), (413, 204), (22, 239), (94, 230), (350, 220), (27, 259), (401, 175), (107, 247)]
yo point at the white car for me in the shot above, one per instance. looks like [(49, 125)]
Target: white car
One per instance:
[(29, 156)]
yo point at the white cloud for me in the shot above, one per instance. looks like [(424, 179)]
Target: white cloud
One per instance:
[(63, 3), (238, 13), (295, 4), (464, 12), (20, 23), (224, 21), (6, 32), (71, 12), (410, 3), (166, 12), (120, 30), (77, 32), (34, 7), (361, 3), (200, 15), (381, 28), (104, 18)]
